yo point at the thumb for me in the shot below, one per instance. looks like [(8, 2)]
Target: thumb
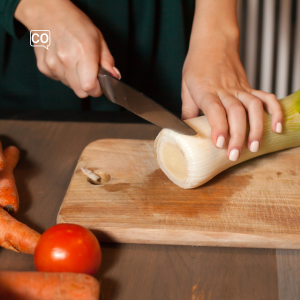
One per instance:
[(189, 113), (189, 108)]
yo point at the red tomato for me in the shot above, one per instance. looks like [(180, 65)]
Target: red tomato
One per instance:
[(68, 248)]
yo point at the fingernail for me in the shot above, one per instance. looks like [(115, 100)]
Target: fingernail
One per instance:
[(220, 141), (234, 155), (254, 146), (278, 127), (117, 72)]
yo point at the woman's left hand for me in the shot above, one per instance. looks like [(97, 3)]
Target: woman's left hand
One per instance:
[(214, 81)]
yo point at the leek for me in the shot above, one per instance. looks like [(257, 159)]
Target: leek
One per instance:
[(190, 161)]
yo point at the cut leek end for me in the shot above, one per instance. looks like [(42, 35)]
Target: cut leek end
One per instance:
[(178, 160)]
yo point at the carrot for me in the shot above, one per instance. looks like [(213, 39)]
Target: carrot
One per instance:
[(9, 198), (2, 163), (48, 286), (15, 235)]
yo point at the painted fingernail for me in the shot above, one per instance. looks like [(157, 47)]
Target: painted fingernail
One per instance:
[(254, 146), (117, 71), (220, 141), (278, 127), (234, 155)]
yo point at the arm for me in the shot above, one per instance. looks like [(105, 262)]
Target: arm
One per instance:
[(215, 82)]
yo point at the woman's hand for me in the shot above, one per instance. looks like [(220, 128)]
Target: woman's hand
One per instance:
[(77, 46), (215, 82)]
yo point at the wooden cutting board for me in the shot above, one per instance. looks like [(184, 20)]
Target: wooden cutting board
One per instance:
[(254, 204)]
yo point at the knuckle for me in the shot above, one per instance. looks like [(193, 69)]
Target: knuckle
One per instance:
[(236, 109), (237, 137), (81, 93), (70, 53), (255, 103), (51, 63), (84, 46), (215, 106), (64, 56), (246, 86), (88, 85), (228, 98), (272, 97)]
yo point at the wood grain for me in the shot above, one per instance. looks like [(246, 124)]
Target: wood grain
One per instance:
[(288, 266), (188, 273), (50, 151), (254, 204)]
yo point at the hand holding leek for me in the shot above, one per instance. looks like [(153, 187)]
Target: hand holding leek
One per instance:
[(215, 82), (190, 161)]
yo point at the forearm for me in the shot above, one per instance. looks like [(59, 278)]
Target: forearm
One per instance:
[(215, 20), (28, 12), (77, 45)]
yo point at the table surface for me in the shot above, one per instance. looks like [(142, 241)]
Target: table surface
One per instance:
[(50, 151)]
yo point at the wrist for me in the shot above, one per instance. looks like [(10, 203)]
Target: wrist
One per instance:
[(31, 12), (215, 22), (26, 11), (215, 38)]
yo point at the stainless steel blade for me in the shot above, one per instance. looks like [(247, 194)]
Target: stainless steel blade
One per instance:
[(124, 95)]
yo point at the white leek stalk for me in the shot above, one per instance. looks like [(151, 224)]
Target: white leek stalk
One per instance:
[(190, 161)]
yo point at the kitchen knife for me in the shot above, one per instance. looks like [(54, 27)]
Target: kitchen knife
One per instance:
[(122, 94)]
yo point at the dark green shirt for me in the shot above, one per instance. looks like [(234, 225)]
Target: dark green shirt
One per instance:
[(148, 39)]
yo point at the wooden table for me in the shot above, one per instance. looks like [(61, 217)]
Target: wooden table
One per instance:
[(130, 271)]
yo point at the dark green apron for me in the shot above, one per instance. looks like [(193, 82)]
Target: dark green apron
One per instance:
[(148, 39)]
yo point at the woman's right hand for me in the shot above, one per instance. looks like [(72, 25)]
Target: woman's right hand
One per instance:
[(77, 45)]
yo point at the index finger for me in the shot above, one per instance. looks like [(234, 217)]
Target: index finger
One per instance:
[(87, 70)]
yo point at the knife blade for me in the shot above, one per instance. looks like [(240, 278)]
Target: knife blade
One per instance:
[(124, 95)]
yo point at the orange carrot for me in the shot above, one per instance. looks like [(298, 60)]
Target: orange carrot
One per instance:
[(15, 235), (48, 286), (9, 198), (2, 163)]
